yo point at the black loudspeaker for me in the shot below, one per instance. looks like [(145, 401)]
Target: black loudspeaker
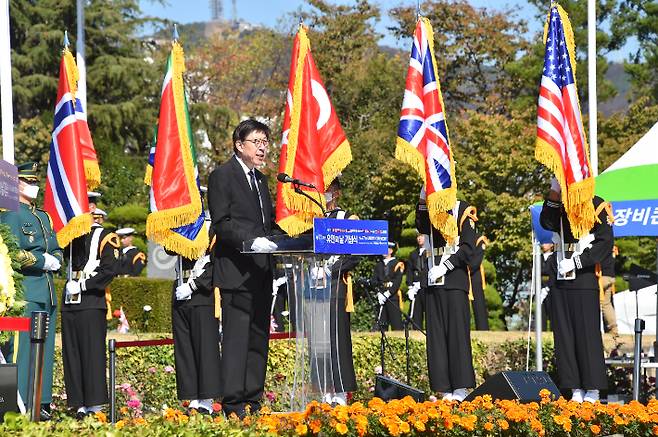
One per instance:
[(524, 386), (388, 388), (8, 388)]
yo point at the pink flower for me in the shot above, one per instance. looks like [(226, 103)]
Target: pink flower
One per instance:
[(378, 370), (271, 396), (152, 370), (432, 398), (168, 369), (134, 403), (125, 386)]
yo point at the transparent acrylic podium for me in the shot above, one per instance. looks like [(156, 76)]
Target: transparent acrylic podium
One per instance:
[(309, 279)]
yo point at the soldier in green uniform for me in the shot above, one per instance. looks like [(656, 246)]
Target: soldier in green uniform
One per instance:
[(40, 257)]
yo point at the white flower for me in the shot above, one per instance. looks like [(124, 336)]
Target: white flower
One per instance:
[(147, 308)]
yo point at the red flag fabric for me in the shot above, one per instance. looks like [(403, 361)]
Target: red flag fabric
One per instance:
[(314, 148)]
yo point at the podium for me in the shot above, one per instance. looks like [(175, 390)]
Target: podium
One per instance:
[(312, 265)]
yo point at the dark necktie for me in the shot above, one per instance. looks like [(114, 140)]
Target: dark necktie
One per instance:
[(254, 190)]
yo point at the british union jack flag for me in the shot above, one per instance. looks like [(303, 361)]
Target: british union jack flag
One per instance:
[(423, 140)]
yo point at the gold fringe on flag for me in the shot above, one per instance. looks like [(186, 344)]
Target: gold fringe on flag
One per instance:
[(336, 163), (71, 72), (577, 197), (148, 174), (78, 225), (93, 174)]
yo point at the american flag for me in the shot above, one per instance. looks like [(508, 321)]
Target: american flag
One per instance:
[(561, 141), (423, 133)]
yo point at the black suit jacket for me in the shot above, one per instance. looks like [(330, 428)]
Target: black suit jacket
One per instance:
[(235, 218)]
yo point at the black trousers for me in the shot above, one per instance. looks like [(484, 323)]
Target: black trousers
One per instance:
[(480, 313), (341, 344), (449, 358), (390, 314), (575, 319), (418, 317), (245, 344), (196, 350), (84, 357)]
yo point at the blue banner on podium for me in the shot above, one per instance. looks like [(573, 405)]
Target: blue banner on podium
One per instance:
[(350, 237)]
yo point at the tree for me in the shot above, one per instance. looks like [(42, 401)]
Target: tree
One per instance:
[(122, 82)]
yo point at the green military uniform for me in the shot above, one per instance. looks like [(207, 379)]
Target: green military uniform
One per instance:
[(34, 231)]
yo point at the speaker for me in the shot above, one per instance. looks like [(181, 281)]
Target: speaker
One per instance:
[(524, 386), (388, 388), (8, 388)]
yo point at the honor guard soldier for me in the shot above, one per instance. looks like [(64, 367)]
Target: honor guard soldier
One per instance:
[(92, 198), (449, 357), (416, 267), (99, 216), (195, 325), (132, 260), (39, 257), (388, 277), (478, 283), (341, 308), (574, 296), (94, 261)]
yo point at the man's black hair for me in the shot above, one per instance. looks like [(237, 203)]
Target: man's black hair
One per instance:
[(246, 127)]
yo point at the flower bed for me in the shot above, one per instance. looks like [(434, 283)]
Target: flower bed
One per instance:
[(481, 417)]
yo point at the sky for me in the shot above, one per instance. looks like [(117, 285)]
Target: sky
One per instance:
[(271, 13)]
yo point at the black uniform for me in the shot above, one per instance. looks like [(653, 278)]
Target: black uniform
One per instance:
[(480, 312), (84, 326), (415, 266), (342, 364), (196, 337), (133, 261), (574, 304), (388, 277), (449, 357)]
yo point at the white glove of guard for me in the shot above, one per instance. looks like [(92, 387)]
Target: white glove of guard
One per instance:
[(413, 290), (543, 294), (50, 263), (555, 186), (73, 288), (383, 297), (278, 283), (436, 272), (566, 265), (262, 244), (184, 291)]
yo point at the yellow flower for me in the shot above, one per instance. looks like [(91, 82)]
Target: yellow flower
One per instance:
[(120, 424), (101, 417), (419, 425), (488, 426), (404, 427), (341, 428), (301, 429), (503, 424), (595, 429)]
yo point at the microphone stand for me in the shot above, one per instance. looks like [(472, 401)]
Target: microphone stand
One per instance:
[(384, 341), (298, 190), (406, 320)]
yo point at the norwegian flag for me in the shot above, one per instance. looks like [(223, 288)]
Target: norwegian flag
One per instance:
[(89, 157), (66, 185), (561, 141), (423, 140)]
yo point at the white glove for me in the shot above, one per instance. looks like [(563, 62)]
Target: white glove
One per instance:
[(413, 290), (278, 283), (262, 244), (555, 186), (436, 272), (383, 297), (184, 291), (50, 263), (73, 288), (566, 265), (543, 294)]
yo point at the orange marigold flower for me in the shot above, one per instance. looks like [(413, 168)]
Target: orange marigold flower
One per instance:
[(419, 425), (596, 430), (120, 424), (404, 427), (341, 428), (315, 426), (503, 424), (301, 429), (654, 430), (101, 417), (488, 426)]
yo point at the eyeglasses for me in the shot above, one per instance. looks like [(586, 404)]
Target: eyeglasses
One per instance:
[(259, 142)]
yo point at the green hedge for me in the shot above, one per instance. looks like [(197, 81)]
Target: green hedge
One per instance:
[(132, 294)]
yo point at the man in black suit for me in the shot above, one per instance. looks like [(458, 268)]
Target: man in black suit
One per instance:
[(241, 210)]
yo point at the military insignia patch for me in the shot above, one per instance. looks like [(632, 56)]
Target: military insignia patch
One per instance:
[(31, 238), (116, 253), (472, 223)]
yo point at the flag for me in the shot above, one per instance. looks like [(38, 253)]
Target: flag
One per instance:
[(423, 140), (177, 215), (314, 148), (66, 185), (92, 171), (561, 142)]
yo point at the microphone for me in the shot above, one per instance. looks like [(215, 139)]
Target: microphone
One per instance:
[(284, 178)]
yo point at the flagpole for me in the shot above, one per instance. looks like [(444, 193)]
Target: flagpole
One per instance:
[(5, 85), (80, 46), (591, 84)]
